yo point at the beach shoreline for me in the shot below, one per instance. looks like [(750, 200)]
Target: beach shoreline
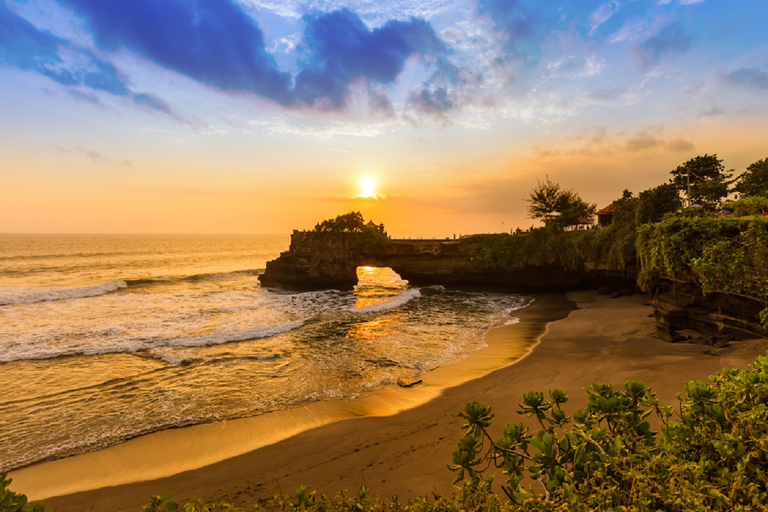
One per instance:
[(172, 451), (405, 451)]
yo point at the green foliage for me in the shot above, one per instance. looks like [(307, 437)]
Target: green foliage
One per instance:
[(559, 208), (714, 456), (14, 502), (348, 232), (747, 206), (162, 503), (568, 250), (726, 255), (754, 181), (612, 248), (469, 498), (655, 203), (703, 180)]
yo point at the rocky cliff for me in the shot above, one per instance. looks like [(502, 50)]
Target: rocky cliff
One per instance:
[(451, 263), (684, 313)]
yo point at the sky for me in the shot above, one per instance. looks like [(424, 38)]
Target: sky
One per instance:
[(435, 117)]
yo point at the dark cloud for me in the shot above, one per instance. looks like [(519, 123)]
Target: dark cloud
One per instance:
[(23, 46), (338, 48), (211, 41), (216, 43), (750, 77), (671, 39)]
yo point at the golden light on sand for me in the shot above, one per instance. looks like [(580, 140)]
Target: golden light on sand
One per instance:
[(367, 186)]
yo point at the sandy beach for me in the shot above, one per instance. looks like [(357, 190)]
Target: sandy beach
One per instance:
[(398, 441)]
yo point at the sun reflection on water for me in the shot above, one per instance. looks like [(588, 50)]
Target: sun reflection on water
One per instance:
[(376, 285)]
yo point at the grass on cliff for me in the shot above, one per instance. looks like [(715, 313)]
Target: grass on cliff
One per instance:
[(709, 453)]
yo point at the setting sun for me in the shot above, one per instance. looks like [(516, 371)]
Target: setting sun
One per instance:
[(368, 186)]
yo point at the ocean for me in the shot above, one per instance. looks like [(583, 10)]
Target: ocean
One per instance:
[(107, 337)]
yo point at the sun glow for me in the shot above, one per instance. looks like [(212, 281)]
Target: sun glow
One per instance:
[(367, 186)]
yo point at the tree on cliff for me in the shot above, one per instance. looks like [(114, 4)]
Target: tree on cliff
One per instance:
[(352, 222), (655, 203), (703, 180), (754, 181), (349, 229), (558, 208)]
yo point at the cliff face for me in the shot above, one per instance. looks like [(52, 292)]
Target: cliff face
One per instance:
[(312, 264), (684, 313), (452, 263)]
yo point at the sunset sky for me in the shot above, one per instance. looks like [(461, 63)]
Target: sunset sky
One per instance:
[(261, 116)]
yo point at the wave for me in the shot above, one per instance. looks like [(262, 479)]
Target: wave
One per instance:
[(156, 349), (194, 278), (19, 296), (13, 296), (394, 302), (247, 334)]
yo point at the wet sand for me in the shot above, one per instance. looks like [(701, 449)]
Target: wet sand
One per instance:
[(396, 441)]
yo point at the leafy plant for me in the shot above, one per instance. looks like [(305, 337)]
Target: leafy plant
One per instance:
[(746, 206), (714, 456), (754, 181)]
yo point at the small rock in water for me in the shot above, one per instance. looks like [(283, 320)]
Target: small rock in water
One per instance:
[(404, 382)]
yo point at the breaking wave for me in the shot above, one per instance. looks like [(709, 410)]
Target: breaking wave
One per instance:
[(12, 296)]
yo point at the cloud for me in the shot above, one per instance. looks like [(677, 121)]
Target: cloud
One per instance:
[(749, 77), (651, 138), (338, 48), (25, 47), (642, 141), (602, 14), (522, 25), (680, 145), (211, 41), (671, 39), (94, 156), (215, 42)]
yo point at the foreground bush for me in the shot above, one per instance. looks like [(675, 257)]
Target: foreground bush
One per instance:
[(714, 456)]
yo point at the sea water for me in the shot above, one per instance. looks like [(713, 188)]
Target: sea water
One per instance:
[(105, 338)]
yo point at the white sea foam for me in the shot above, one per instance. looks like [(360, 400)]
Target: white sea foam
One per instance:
[(11, 296), (512, 321), (396, 301), (247, 334), (160, 347)]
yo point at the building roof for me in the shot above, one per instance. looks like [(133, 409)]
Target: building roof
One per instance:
[(608, 210)]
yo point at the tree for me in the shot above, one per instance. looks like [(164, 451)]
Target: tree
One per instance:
[(656, 202), (557, 207), (703, 180), (754, 181)]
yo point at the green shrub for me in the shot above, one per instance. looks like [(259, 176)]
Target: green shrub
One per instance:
[(714, 456), (747, 206)]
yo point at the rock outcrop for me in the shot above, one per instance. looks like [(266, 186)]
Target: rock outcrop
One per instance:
[(684, 313), (451, 263)]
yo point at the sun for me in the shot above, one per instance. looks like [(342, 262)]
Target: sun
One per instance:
[(367, 186)]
